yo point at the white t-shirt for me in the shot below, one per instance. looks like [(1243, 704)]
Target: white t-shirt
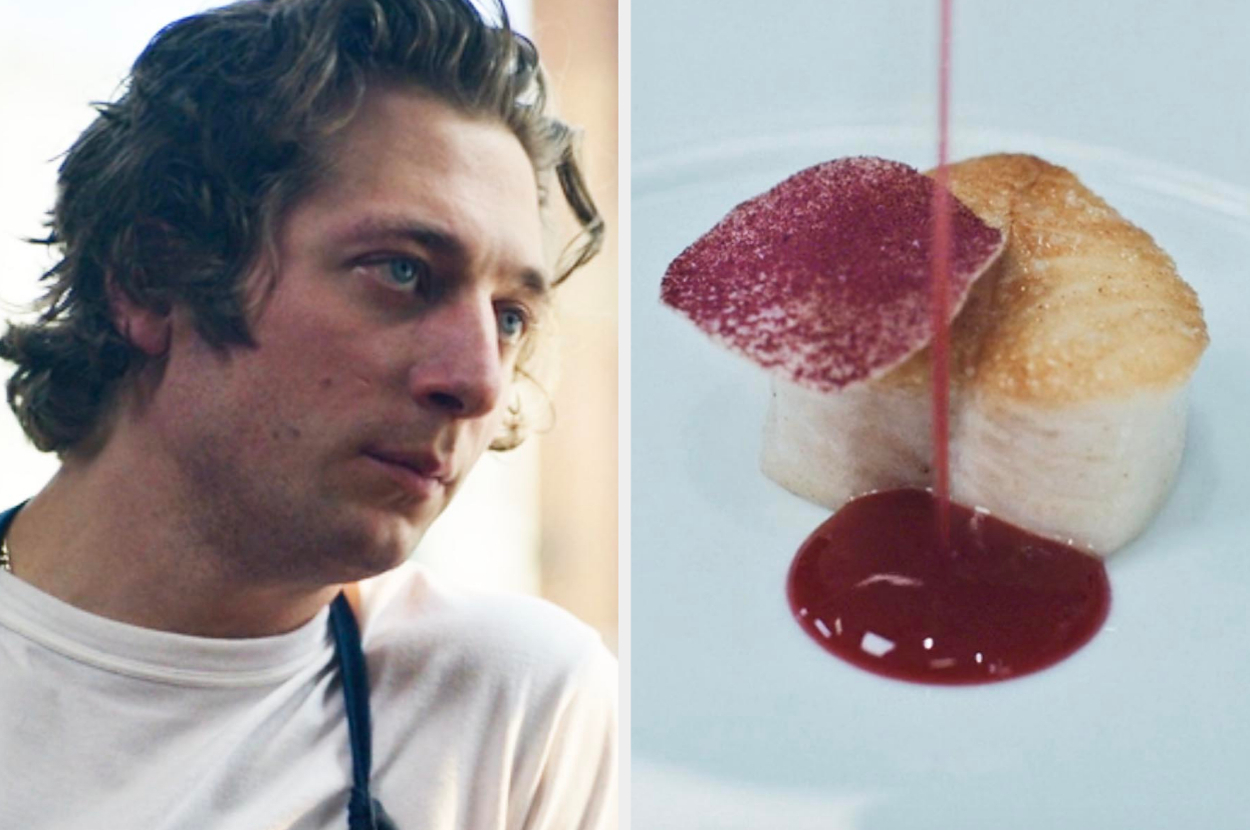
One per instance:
[(489, 711)]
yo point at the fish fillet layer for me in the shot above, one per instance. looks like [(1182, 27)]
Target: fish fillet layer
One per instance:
[(1069, 368)]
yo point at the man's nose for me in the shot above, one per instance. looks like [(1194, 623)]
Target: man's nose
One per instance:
[(458, 369)]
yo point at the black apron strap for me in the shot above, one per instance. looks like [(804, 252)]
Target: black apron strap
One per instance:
[(363, 810), (6, 518)]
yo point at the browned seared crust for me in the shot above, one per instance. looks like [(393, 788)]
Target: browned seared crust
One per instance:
[(1082, 306)]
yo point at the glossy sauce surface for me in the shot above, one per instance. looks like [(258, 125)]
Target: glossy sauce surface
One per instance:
[(873, 586)]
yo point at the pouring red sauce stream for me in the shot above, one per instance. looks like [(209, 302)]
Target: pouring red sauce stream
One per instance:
[(939, 305)]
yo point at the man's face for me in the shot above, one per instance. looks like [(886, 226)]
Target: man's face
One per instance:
[(384, 356)]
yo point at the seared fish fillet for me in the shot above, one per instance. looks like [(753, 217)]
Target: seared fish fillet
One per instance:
[(1069, 368)]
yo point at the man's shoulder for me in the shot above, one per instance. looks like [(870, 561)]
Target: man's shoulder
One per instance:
[(410, 615), (498, 696)]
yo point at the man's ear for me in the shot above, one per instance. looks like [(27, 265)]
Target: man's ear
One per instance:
[(147, 329)]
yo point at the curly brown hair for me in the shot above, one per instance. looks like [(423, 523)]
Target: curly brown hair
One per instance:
[(177, 188)]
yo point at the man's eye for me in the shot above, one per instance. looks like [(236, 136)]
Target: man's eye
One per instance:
[(406, 272), (513, 323)]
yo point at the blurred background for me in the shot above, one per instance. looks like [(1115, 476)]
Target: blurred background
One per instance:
[(541, 519)]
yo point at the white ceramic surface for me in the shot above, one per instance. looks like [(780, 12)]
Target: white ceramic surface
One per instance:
[(738, 720), (1148, 726)]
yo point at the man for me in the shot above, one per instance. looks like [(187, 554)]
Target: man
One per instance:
[(301, 273)]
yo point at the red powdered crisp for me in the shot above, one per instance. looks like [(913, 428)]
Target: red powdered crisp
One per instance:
[(825, 279)]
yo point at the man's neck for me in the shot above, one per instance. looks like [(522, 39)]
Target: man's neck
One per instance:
[(123, 546)]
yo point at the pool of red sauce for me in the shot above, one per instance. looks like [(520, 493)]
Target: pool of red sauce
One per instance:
[(873, 586)]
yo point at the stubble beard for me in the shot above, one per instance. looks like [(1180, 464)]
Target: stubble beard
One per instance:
[(280, 528)]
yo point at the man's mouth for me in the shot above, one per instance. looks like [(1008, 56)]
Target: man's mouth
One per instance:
[(419, 473)]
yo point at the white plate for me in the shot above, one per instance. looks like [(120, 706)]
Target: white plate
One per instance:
[(740, 721)]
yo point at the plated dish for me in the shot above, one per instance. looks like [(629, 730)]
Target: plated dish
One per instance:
[(1147, 726)]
